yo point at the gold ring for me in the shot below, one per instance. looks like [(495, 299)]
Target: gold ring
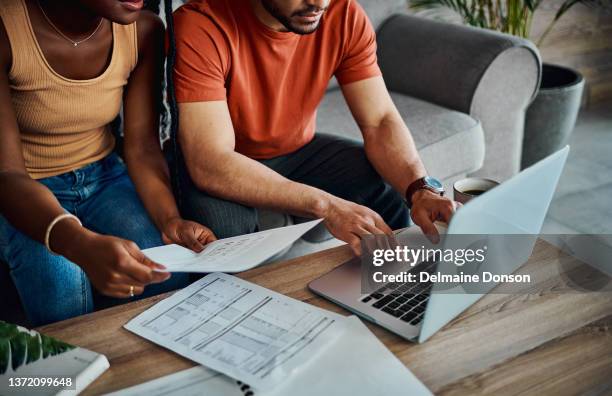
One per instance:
[(131, 291)]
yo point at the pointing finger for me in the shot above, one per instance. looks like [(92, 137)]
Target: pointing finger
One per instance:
[(427, 226)]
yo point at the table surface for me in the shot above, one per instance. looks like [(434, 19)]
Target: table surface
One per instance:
[(552, 340)]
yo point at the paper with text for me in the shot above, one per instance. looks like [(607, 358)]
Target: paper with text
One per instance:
[(196, 381), (230, 255), (358, 364), (240, 329)]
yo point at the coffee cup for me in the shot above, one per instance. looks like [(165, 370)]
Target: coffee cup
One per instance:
[(467, 189)]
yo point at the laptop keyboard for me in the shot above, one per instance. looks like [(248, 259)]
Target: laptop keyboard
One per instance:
[(405, 301)]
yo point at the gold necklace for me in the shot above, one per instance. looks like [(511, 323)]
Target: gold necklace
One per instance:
[(74, 43)]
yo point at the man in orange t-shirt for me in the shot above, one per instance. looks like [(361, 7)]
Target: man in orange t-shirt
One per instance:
[(249, 75)]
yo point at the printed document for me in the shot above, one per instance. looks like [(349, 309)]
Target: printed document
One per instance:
[(196, 381), (357, 364), (242, 330), (230, 255)]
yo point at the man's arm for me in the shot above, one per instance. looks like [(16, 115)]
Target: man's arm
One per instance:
[(208, 142), (391, 149)]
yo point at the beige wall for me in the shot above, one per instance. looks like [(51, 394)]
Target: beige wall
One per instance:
[(581, 39)]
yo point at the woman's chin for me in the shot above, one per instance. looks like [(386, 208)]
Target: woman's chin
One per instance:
[(121, 12)]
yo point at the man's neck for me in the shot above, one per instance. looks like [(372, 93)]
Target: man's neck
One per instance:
[(265, 17), (70, 16)]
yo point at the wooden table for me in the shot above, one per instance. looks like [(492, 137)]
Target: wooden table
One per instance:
[(552, 341)]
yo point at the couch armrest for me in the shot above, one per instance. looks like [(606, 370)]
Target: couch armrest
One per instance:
[(491, 76)]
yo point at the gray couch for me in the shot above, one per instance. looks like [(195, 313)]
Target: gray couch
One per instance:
[(462, 92)]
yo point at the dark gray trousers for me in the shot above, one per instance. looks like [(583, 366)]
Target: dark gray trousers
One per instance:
[(331, 163)]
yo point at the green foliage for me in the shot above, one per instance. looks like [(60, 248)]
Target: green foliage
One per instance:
[(52, 347), (507, 16), (5, 354), (34, 349), (8, 330), (21, 347)]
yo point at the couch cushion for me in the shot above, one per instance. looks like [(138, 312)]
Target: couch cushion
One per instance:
[(449, 142)]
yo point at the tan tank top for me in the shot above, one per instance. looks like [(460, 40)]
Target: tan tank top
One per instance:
[(64, 123)]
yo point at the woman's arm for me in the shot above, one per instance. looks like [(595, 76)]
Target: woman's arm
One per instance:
[(146, 163), (14, 180), (112, 264)]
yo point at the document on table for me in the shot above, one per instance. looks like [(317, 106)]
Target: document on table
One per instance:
[(240, 329), (230, 255), (357, 364), (196, 381)]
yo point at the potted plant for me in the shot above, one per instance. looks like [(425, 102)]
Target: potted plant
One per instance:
[(551, 117)]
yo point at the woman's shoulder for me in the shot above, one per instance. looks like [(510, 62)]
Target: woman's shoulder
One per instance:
[(149, 26), (149, 32), (149, 23)]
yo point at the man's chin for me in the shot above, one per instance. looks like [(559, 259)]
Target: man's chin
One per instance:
[(304, 29)]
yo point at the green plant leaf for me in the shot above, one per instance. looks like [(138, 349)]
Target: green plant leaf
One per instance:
[(52, 347), (8, 330), (5, 355), (565, 7), (19, 345), (34, 348), (508, 16)]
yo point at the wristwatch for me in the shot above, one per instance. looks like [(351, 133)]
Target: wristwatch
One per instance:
[(428, 183)]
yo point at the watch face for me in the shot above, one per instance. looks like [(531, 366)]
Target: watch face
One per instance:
[(433, 182)]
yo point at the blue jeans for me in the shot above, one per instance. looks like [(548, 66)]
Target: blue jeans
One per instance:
[(102, 195)]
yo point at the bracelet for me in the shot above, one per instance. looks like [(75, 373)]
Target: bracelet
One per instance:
[(53, 224)]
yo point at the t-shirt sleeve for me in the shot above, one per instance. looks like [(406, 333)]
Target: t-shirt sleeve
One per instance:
[(202, 58), (359, 60)]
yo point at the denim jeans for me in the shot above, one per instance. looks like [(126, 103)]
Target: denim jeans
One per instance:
[(331, 163), (52, 288)]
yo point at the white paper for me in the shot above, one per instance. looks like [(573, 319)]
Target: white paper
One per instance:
[(196, 381), (357, 364), (240, 329), (230, 255)]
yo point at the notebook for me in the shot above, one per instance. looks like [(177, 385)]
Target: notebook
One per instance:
[(35, 364), (357, 364)]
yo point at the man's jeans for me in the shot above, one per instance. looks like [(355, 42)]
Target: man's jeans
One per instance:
[(333, 164), (102, 195)]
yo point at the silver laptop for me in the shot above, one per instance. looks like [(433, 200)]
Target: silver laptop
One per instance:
[(517, 206)]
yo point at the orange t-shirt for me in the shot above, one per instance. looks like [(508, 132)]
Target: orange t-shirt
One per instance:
[(272, 81)]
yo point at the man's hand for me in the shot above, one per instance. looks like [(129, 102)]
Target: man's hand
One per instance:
[(428, 207), (186, 233), (349, 221), (115, 266)]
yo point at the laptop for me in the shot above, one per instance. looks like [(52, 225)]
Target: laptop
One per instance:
[(415, 311)]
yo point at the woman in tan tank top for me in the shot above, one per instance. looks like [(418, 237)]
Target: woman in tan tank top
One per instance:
[(67, 67)]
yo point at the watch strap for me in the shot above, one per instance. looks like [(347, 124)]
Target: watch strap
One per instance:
[(419, 184)]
